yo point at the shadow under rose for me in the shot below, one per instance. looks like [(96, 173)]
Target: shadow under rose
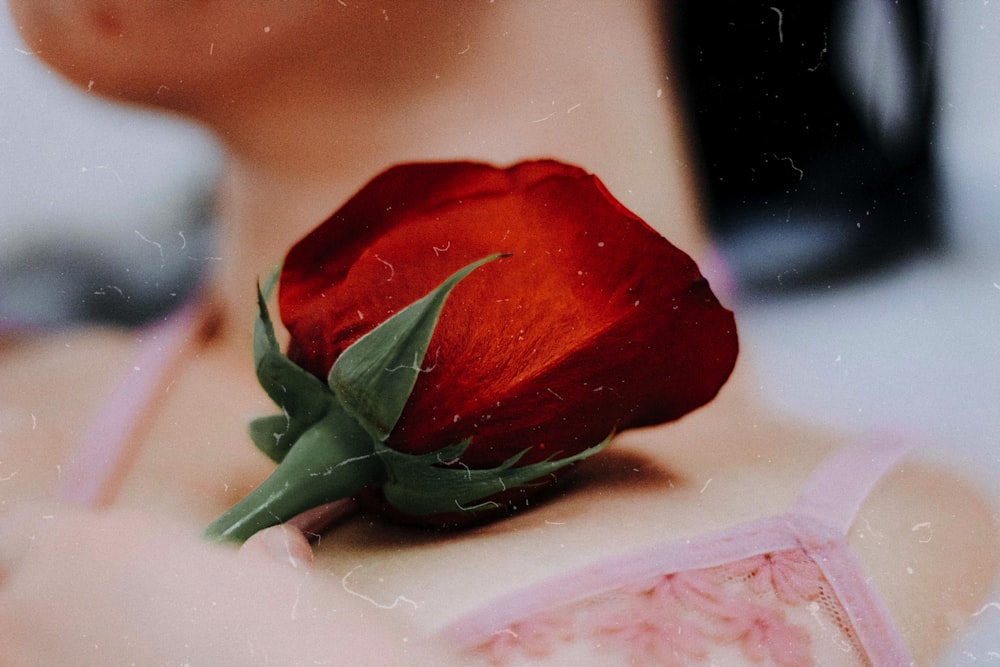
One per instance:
[(610, 471)]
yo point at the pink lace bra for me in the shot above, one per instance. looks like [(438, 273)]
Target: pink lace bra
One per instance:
[(782, 590), (777, 591)]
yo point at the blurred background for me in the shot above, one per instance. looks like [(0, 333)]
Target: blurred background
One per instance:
[(851, 157), (103, 210)]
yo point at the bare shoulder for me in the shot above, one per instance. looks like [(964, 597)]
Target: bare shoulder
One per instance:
[(38, 371), (50, 388), (929, 537)]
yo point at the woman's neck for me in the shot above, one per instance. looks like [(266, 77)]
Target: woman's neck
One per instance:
[(595, 93)]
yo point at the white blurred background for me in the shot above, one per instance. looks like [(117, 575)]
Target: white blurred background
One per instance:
[(916, 346)]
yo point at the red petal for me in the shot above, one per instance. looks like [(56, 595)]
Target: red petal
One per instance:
[(594, 323)]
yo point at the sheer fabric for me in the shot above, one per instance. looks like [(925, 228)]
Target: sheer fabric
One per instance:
[(784, 591)]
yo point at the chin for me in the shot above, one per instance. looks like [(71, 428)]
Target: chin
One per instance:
[(73, 37), (113, 51)]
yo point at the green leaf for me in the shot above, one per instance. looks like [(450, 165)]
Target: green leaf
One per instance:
[(270, 435), (302, 397), (373, 378), (417, 485)]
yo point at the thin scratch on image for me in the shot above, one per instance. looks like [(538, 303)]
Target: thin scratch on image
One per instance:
[(114, 288), (159, 246), (400, 599), (872, 531), (706, 485), (446, 248), (295, 565), (348, 461), (791, 163), (447, 462), (298, 592), (392, 269), (544, 118), (548, 389), (988, 605), (781, 34), (184, 241), (822, 54), (824, 628), (415, 366), (483, 505), (920, 527)]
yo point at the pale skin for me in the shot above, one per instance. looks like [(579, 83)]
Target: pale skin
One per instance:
[(310, 99)]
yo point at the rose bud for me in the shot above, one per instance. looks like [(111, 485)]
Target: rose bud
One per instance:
[(460, 332)]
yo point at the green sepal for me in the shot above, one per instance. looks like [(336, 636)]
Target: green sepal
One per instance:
[(270, 435), (332, 459), (270, 282), (417, 485), (302, 397), (373, 378)]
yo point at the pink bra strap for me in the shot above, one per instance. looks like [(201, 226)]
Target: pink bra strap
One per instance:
[(95, 470), (834, 491)]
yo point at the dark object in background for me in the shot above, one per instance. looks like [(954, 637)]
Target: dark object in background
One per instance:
[(813, 122), (129, 281)]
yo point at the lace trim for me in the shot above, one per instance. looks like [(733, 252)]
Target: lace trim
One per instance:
[(773, 609)]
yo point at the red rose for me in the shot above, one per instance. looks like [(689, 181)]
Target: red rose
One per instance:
[(595, 322), (590, 323)]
